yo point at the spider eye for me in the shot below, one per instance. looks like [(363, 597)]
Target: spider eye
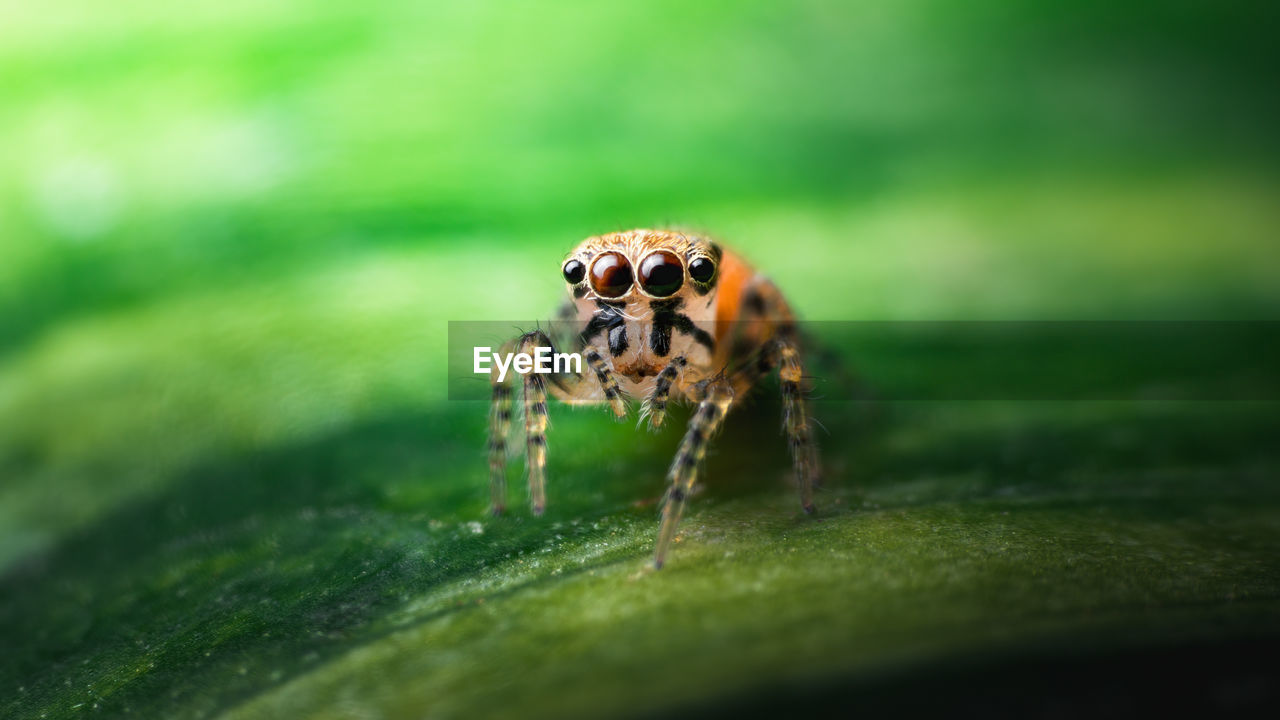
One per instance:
[(661, 274), (702, 269), (574, 271), (611, 275)]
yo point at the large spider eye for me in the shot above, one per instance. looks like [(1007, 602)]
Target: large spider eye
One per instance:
[(611, 275), (702, 269), (574, 271), (661, 274)]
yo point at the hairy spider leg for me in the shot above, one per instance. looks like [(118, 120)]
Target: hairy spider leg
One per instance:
[(795, 421), (762, 301), (656, 405), (684, 469), (565, 385), (535, 430), (499, 426), (782, 353)]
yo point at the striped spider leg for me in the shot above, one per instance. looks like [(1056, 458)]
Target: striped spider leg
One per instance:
[(795, 421), (655, 406), (571, 387), (767, 316), (706, 420), (716, 396)]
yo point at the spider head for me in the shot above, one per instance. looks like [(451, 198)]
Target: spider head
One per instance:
[(651, 264)]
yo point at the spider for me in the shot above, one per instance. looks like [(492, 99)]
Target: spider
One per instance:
[(663, 316)]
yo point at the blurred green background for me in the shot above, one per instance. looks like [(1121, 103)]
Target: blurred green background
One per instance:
[(232, 234)]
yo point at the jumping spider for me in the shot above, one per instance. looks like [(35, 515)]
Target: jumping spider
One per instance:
[(663, 316)]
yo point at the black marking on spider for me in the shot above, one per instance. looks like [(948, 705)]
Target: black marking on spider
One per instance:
[(608, 317), (665, 319)]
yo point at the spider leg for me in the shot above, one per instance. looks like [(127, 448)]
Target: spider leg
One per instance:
[(684, 470), (656, 405), (765, 306), (795, 421), (535, 422), (604, 374), (499, 426), (535, 436)]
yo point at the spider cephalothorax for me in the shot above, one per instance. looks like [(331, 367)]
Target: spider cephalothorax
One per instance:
[(659, 315)]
